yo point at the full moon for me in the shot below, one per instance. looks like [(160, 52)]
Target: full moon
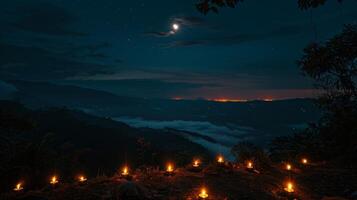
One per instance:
[(175, 27)]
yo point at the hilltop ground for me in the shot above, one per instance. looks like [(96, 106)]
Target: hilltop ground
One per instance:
[(227, 182)]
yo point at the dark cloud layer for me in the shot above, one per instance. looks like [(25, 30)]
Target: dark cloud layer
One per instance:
[(40, 64), (235, 53), (139, 87), (233, 39), (45, 18)]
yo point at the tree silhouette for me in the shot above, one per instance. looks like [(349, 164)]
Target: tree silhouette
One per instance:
[(333, 67)]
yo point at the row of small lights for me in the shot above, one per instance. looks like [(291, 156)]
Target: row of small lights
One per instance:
[(288, 187)]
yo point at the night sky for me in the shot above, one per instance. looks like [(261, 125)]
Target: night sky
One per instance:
[(126, 47)]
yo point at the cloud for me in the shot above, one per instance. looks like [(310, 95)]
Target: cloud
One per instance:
[(153, 88), (189, 21), (233, 39), (45, 18), (226, 137), (159, 33), (6, 90), (29, 62)]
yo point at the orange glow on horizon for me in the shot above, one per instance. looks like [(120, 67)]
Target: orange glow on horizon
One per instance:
[(177, 98), (226, 100), (268, 99)]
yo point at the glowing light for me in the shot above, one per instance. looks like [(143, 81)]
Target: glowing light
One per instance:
[(268, 100), (288, 167), (54, 180), (203, 194), (224, 100), (169, 168), (175, 27), (18, 187), (249, 165), (196, 163), (220, 159), (125, 171), (82, 178), (304, 161), (177, 98), (289, 187)]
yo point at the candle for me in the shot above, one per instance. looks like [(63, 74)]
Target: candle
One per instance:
[(289, 187), (220, 159), (54, 180), (82, 178), (125, 171), (203, 194), (249, 165), (18, 187), (196, 163), (169, 168), (304, 161)]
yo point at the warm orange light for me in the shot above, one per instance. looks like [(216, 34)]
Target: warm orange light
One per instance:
[(220, 159), (268, 99), (288, 167), (18, 187), (203, 194), (125, 171), (82, 179), (196, 163), (177, 98), (169, 168), (304, 161), (224, 100), (54, 180), (250, 165), (289, 187)]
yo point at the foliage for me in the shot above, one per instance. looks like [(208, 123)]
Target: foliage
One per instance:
[(206, 6), (333, 67)]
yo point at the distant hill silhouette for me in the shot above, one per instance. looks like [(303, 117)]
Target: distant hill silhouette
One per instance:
[(77, 141), (266, 119)]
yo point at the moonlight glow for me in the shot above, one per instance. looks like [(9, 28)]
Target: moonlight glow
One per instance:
[(175, 27)]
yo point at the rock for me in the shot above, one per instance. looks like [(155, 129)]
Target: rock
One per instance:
[(131, 191)]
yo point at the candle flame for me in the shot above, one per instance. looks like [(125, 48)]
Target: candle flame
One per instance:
[(170, 168), (125, 171), (250, 165), (289, 187), (196, 163), (82, 178), (304, 161), (220, 159), (18, 187), (288, 166), (203, 194), (54, 180)]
